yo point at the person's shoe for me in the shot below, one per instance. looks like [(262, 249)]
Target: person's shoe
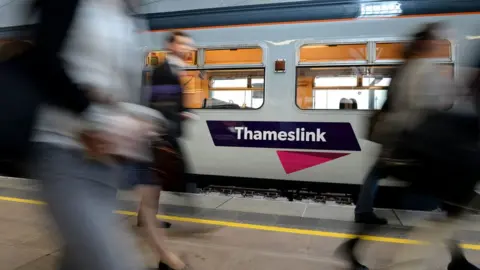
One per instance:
[(461, 263), (370, 218), (162, 224), (163, 266), (346, 252), (165, 225)]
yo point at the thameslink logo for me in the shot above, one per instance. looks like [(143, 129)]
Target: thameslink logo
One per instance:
[(284, 135), (299, 135)]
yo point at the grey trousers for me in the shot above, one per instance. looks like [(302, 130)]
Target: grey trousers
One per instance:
[(81, 195)]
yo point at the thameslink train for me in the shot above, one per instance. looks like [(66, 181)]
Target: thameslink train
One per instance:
[(286, 83), (287, 102)]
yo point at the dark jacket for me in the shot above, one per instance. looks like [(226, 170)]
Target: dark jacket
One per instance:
[(167, 97)]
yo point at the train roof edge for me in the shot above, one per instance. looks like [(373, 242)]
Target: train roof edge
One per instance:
[(279, 13)]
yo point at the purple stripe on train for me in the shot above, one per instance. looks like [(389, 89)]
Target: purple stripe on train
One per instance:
[(162, 91), (286, 135)]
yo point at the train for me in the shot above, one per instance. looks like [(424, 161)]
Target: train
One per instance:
[(283, 92)]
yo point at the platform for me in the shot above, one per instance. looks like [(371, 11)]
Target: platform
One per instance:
[(231, 233)]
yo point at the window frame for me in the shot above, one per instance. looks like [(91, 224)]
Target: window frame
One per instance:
[(236, 67), (201, 66), (370, 61), (299, 45), (450, 60)]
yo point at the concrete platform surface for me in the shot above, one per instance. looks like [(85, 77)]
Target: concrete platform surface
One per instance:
[(263, 211), (28, 242)]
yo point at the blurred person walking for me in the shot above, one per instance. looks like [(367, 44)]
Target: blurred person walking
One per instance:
[(418, 94), (168, 168), (166, 96), (76, 157)]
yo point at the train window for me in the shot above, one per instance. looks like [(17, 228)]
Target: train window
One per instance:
[(239, 88), (334, 81), (376, 81), (221, 89), (361, 87), (333, 53), (394, 51), (229, 83), (233, 56), (389, 51), (157, 57)]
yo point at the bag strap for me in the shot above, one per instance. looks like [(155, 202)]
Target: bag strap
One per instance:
[(387, 105)]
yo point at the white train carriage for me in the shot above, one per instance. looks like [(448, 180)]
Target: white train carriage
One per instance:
[(273, 98)]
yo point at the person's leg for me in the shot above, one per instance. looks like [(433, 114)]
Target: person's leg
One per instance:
[(150, 195), (347, 250), (458, 259), (364, 208), (81, 197), (189, 186), (143, 176)]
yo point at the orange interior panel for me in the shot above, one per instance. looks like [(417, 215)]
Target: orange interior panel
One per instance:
[(305, 92), (157, 57), (195, 89), (394, 51), (390, 51), (234, 56), (331, 53)]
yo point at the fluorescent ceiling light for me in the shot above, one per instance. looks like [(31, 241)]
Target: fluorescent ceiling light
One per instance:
[(472, 37)]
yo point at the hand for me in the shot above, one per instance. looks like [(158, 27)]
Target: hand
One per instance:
[(99, 97), (96, 144), (188, 116)]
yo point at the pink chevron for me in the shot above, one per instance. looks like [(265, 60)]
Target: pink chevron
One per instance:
[(294, 161)]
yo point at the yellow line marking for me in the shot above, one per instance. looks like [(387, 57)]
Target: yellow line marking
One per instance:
[(18, 200), (372, 238)]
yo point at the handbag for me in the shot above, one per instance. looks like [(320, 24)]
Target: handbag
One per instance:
[(446, 146), (168, 165)]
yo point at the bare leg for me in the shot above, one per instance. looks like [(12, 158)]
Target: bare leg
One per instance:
[(148, 209), (141, 206)]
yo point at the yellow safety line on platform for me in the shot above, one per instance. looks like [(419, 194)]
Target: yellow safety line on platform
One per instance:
[(263, 227)]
